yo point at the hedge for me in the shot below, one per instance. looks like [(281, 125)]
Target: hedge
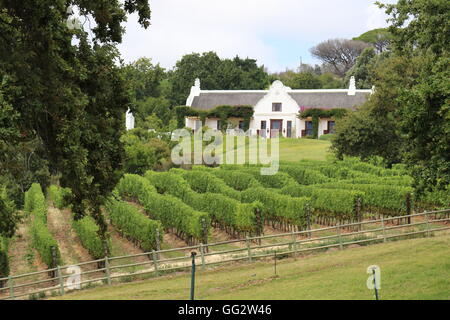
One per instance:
[(87, 231), (134, 225), (279, 208), (229, 213), (237, 180), (170, 211), (41, 238), (303, 175), (389, 200), (57, 195), (278, 180), (330, 203), (4, 262), (202, 182)]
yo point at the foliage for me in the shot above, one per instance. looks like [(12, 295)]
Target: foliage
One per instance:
[(143, 154), (134, 225), (58, 196), (8, 215), (4, 260), (170, 211), (215, 74), (340, 54), (70, 95), (221, 112), (380, 39), (41, 238), (87, 231), (363, 69)]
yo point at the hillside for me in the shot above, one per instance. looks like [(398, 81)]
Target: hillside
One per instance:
[(413, 269)]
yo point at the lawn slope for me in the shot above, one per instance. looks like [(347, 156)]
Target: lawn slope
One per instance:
[(410, 269)]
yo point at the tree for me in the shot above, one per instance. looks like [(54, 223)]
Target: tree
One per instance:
[(363, 69), (144, 78), (340, 54), (421, 37), (305, 80), (380, 39), (71, 96), (215, 74)]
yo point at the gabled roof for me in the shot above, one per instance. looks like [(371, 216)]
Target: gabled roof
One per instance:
[(210, 100), (306, 99)]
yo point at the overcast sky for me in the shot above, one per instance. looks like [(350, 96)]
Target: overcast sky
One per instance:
[(275, 32)]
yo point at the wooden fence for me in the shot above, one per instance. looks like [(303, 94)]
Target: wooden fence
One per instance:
[(62, 279)]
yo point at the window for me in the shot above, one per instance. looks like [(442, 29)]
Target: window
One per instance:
[(263, 125), (309, 128), (331, 126), (276, 107), (241, 125), (219, 125)]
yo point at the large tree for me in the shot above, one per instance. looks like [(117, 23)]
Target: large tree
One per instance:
[(339, 54), (69, 94), (215, 74), (380, 39)]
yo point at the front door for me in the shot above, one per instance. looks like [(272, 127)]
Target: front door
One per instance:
[(276, 127)]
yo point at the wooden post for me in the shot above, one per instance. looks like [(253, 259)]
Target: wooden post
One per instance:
[(158, 243), (107, 271), (359, 213), (61, 281), (54, 261), (11, 287), (155, 261), (294, 242), (308, 219), (202, 253), (428, 224), (408, 207), (384, 228), (260, 225), (340, 237), (247, 241), (205, 234)]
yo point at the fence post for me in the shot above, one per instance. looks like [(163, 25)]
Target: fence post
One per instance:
[(428, 224), (205, 234), (107, 271), (339, 235), (11, 287), (249, 252), (408, 207), (61, 281), (294, 241), (54, 261), (384, 228), (359, 213), (308, 219), (158, 243), (155, 261), (202, 253)]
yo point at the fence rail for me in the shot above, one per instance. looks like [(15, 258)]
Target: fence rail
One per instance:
[(68, 278)]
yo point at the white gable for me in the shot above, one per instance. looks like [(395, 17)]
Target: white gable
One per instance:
[(278, 93)]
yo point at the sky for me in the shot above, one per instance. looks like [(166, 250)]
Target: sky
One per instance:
[(278, 33)]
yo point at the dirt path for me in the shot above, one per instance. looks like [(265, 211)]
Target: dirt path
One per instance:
[(59, 224), (22, 257)]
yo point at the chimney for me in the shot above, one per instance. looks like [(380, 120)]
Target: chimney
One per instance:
[(352, 88)]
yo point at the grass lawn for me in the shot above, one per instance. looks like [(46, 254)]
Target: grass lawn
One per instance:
[(410, 269), (293, 149)]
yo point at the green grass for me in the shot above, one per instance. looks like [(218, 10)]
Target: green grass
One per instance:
[(411, 269), (293, 150)]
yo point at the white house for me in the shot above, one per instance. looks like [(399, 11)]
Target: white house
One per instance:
[(277, 108)]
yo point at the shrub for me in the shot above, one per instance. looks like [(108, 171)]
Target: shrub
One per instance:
[(58, 195), (134, 225), (4, 262), (170, 211), (304, 175), (87, 231), (41, 238)]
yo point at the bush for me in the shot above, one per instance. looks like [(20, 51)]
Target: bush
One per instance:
[(41, 238), (87, 231), (332, 203), (58, 196), (226, 211), (170, 211), (237, 180), (277, 207), (304, 175), (4, 262), (134, 225)]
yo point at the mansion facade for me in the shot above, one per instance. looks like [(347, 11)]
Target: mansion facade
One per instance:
[(276, 109)]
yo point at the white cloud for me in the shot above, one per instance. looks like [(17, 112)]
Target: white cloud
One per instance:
[(274, 32)]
